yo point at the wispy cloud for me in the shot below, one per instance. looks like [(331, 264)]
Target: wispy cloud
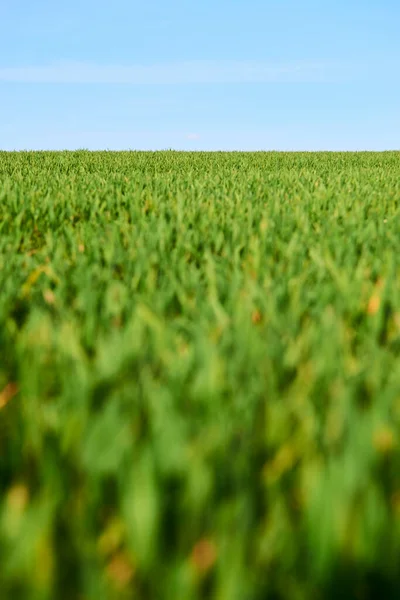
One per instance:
[(190, 72)]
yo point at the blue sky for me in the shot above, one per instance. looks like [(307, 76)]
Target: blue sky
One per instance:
[(209, 75)]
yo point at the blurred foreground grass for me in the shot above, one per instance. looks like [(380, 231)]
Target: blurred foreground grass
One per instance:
[(199, 376)]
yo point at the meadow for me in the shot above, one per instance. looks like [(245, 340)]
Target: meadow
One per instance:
[(199, 375)]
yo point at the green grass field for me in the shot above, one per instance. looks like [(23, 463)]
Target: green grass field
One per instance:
[(199, 376)]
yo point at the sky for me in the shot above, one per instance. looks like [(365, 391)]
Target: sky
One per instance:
[(200, 75)]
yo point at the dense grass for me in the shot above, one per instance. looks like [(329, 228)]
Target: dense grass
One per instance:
[(199, 376)]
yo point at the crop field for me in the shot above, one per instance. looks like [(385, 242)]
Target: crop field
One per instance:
[(199, 376)]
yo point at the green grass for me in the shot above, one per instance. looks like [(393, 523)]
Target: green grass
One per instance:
[(199, 376)]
